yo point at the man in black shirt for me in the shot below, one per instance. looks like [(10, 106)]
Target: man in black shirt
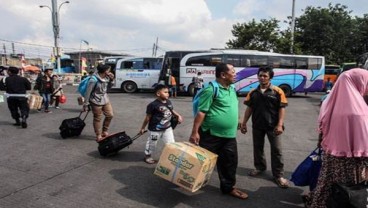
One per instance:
[(16, 88), (266, 104)]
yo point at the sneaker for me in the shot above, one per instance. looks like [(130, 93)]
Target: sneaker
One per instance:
[(50, 106), (57, 107), (47, 111), (39, 110)]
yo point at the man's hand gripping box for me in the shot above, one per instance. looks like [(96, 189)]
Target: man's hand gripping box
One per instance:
[(186, 165)]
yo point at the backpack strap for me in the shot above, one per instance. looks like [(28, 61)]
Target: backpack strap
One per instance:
[(95, 78), (216, 88)]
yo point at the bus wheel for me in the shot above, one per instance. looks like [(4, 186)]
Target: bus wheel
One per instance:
[(129, 87), (286, 89)]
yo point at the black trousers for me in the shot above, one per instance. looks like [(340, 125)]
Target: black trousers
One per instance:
[(16, 105), (227, 161), (277, 162)]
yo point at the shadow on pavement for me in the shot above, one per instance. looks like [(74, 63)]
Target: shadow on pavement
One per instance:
[(141, 185), (7, 123), (58, 137), (267, 175), (121, 156)]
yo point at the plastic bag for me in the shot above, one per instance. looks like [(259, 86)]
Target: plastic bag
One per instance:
[(62, 98)]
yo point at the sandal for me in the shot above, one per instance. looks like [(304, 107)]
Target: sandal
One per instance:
[(105, 134), (99, 139), (149, 160), (282, 182), (238, 194), (255, 172)]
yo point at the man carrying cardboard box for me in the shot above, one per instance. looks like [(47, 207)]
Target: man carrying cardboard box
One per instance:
[(215, 127)]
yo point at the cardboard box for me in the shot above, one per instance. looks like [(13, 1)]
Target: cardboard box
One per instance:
[(186, 165), (35, 101)]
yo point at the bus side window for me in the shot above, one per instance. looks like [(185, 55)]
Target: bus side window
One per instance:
[(245, 61), (301, 63), (128, 65), (313, 63), (146, 65), (258, 61)]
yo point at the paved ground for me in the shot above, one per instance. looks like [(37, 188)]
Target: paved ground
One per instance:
[(39, 169)]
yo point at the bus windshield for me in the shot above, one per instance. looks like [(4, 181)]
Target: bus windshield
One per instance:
[(293, 73), (112, 61)]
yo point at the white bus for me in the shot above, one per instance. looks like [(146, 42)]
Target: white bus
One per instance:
[(293, 73), (136, 73), (113, 60)]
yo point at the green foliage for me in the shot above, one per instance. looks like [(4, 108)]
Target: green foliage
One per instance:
[(327, 32), (255, 36), (331, 32)]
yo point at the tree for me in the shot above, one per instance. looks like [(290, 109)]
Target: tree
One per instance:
[(326, 32), (330, 32), (361, 34), (261, 36)]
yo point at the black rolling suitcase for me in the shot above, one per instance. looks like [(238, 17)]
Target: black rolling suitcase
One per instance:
[(115, 142), (72, 126)]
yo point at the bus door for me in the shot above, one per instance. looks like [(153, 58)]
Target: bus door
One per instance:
[(171, 66), (299, 78), (152, 67)]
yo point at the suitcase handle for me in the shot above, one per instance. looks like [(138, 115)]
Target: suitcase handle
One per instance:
[(138, 135), (80, 114)]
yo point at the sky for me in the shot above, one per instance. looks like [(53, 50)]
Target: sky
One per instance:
[(133, 26)]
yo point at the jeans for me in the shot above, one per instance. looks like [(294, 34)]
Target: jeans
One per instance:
[(46, 99), (98, 111), (277, 163)]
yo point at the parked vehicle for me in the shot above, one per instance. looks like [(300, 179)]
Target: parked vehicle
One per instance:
[(331, 71), (135, 73), (348, 66), (293, 73)]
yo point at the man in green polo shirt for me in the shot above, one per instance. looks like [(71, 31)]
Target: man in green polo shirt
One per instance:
[(215, 127)]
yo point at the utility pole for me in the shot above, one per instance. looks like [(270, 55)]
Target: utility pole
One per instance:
[(56, 30), (154, 49), (292, 27), (13, 48)]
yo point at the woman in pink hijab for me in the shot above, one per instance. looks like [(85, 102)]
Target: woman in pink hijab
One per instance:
[(343, 122)]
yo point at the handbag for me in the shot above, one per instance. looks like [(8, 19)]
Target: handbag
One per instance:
[(348, 195), (174, 121), (307, 172)]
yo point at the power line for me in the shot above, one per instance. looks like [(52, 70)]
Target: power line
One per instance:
[(41, 50)]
